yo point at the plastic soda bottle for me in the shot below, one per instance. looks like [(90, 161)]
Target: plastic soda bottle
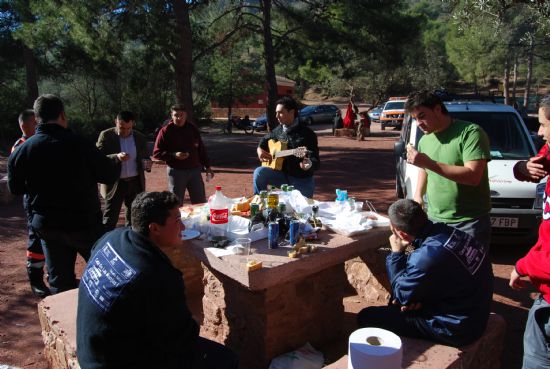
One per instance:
[(219, 213)]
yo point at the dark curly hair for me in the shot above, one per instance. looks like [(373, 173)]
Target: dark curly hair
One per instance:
[(426, 99), (152, 207), (408, 216)]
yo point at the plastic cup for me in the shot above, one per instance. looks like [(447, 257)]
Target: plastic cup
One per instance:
[(147, 164), (245, 243), (359, 206)]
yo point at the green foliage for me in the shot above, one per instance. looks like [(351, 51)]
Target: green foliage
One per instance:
[(12, 79), (103, 56), (470, 51)]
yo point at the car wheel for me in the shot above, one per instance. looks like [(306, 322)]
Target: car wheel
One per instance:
[(398, 189)]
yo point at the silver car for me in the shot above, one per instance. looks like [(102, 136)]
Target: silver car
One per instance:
[(374, 114), (318, 113)]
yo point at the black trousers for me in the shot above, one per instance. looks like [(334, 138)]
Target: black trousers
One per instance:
[(126, 191), (35, 254), (212, 355)]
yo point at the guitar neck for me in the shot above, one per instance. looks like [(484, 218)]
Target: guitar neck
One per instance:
[(283, 153)]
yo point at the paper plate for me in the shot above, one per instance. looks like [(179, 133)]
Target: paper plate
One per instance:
[(189, 234)]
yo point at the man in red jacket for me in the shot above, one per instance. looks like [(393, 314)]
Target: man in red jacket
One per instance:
[(180, 145), (536, 264)]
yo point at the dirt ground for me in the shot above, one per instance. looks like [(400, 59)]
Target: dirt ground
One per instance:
[(365, 169)]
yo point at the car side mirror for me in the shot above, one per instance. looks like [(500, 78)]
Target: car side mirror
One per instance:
[(399, 149)]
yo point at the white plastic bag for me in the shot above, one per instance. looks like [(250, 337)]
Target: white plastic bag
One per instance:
[(306, 357)]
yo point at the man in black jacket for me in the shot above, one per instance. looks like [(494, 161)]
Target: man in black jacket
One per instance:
[(296, 171), (59, 172), (128, 149), (132, 311), (35, 256)]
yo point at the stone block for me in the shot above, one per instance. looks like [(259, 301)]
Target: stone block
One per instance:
[(183, 259), (57, 316), (255, 324), (485, 353), (344, 132), (367, 274)]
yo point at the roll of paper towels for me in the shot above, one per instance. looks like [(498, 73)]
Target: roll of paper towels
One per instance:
[(374, 348)]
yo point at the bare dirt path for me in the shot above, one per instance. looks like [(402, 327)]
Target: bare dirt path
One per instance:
[(365, 169)]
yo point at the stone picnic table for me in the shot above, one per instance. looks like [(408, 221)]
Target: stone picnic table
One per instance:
[(288, 302)]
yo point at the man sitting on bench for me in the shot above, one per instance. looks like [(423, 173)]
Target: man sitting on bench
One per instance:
[(132, 311), (442, 290)]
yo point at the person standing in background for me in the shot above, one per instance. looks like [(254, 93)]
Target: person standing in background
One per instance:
[(452, 157), (180, 145), (338, 122), (59, 171), (128, 149), (35, 255)]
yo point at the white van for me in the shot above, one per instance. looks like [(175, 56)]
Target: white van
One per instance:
[(516, 206)]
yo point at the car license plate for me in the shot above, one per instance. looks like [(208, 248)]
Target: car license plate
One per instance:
[(502, 222)]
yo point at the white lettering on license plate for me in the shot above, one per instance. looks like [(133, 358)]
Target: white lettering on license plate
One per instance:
[(501, 222)]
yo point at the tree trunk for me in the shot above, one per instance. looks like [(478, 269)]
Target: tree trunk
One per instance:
[(28, 58), (506, 82), (529, 75), (515, 79), (269, 55), (184, 62), (31, 76)]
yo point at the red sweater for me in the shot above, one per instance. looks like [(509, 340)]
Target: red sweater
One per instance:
[(172, 138), (536, 264)]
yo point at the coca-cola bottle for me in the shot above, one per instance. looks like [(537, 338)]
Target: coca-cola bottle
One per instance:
[(219, 213)]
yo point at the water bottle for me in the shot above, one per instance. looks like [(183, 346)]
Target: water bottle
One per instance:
[(219, 213)]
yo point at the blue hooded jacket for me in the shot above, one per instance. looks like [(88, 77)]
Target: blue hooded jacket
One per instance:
[(450, 274)]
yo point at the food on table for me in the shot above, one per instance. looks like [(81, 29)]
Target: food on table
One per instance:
[(253, 265), (293, 254)]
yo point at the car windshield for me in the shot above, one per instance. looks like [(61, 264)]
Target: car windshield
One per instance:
[(508, 140), (395, 105)]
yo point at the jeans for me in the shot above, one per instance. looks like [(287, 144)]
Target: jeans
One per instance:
[(536, 339), (264, 176), (180, 180), (407, 324), (212, 355), (61, 247), (478, 228)]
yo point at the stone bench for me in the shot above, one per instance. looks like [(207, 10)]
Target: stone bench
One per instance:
[(485, 353), (58, 320), (57, 313), (57, 316), (344, 132)]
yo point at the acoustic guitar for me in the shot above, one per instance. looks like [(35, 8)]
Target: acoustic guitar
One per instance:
[(278, 151)]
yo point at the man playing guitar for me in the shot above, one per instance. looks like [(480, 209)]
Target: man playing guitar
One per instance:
[(296, 169)]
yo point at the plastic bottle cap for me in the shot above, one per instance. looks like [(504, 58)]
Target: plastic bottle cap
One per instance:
[(218, 188)]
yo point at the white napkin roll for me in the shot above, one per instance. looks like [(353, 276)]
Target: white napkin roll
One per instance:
[(374, 348)]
